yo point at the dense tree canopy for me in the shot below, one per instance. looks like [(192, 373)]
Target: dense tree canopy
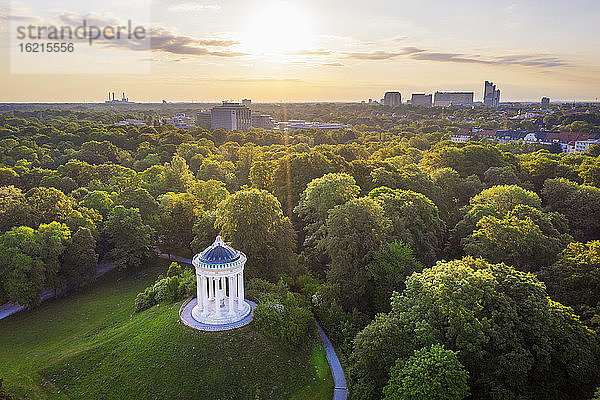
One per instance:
[(511, 348), (574, 280), (370, 205), (580, 204)]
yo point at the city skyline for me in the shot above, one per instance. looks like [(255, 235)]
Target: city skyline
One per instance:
[(207, 51)]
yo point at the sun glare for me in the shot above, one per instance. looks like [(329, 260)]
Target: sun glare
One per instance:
[(278, 29)]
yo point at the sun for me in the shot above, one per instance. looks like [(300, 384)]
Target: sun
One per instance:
[(278, 29)]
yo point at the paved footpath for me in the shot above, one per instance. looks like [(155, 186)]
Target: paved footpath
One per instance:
[(11, 308), (340, 391)]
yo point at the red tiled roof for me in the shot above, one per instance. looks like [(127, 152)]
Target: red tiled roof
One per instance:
[(566, 137)]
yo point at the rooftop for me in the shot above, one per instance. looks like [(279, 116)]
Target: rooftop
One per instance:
[(218, 253)]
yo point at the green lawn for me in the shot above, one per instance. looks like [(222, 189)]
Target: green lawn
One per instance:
[(91, 345)]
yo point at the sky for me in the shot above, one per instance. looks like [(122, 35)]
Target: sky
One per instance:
[(309, 50)]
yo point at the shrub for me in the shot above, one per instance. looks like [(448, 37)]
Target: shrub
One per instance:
[(284, 320), (259, 290), (145, 300), (172, 288)]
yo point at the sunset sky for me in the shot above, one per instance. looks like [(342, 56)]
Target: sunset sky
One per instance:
[(316, 50)]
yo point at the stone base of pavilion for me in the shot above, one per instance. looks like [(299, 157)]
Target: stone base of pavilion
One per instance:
[(185, 314)]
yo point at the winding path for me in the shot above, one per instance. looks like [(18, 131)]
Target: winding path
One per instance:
[(11, 308), (340, 389)]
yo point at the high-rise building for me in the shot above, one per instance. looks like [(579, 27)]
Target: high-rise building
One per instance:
[(445, 99), (421, 99), (231, 117), (545, 101), (392, 99), (491, 95)]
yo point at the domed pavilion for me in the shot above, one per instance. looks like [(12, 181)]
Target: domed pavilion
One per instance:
[(220, 285)]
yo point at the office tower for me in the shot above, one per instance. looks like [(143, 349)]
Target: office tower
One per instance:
[(392, 99), (491, 95), (445, 99), (419, 99), (231, 117), (545, 101)]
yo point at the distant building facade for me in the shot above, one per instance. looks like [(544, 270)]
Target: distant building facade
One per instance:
[(392, 99), (445, 99), (262, 121), (545, 101), (421, 99), (491, 95), (203, 119), (231, 117), (246, 102), (582, 146), (180, 120)]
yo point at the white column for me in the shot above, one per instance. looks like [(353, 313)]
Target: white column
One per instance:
[(220, 295), (231, 295), (211, 293), (242, 285), (205, 283), (200, 297), (235, 292)]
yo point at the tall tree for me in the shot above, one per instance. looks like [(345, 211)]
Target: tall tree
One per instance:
[(79, 264), (320, 196), (179, 212), (132, 240), (414, 220), (252, 220), (355, 230)]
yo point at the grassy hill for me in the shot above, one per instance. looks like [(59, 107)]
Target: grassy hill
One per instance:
[(92, 346)]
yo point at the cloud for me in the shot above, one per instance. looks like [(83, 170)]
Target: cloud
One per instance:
[(374, 55), (319, 52), (91, 18), (526, 60), (163, 39), (334, 64), (399, 38), (190, 6), (260, 79), (19, 15), (384, 55), (415, 53)]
